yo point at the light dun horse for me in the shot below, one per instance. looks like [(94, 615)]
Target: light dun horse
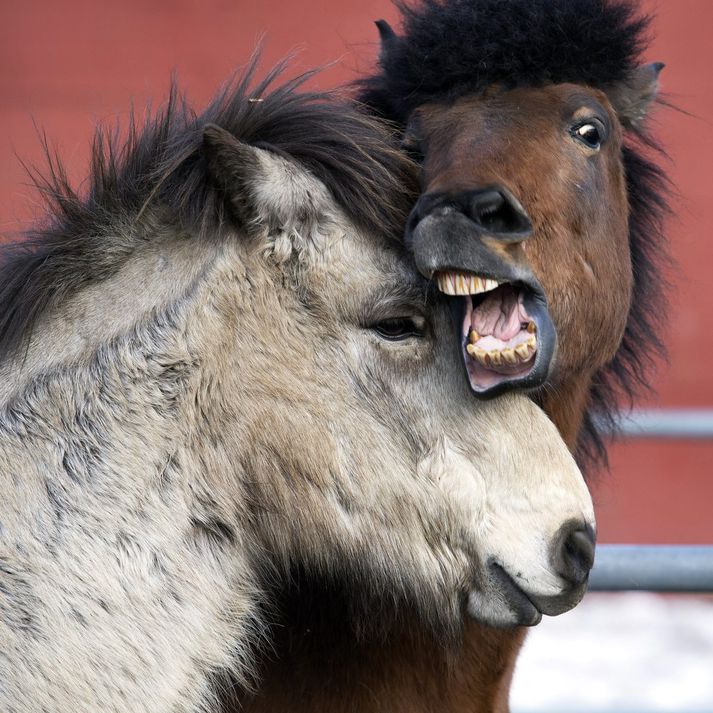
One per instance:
[(219, 368)]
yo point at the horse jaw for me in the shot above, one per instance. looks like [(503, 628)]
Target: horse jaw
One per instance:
[(518, 509)]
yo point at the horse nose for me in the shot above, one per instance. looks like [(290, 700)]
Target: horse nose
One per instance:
[(494, 210), (498, 212), (572, 552)]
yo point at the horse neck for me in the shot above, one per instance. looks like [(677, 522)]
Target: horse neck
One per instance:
[(110, 445), (120, 370), (158, 275), (404, 673), (566, 405)]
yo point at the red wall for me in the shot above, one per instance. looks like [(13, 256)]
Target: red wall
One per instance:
[(65, 65)]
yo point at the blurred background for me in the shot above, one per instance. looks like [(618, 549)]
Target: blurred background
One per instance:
[(64, 66)]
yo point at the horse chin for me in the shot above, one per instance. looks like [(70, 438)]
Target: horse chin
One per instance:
[(516, 367), (502, 604)]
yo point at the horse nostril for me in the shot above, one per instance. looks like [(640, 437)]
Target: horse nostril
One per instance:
[(430, 204), (572, 552), (494, 210), (486, 205), (498, 213)]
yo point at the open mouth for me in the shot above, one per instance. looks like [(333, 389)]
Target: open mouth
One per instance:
[(504, 329)]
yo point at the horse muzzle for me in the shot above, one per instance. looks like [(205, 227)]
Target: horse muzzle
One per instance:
[(470, 243), (512, 600)]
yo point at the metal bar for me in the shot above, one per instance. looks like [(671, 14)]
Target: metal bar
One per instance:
[(653, 568), (664, 423)]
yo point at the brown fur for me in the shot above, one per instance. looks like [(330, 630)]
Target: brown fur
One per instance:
[(404, 673)]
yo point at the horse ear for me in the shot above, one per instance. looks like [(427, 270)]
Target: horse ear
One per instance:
[(632, 97), (235, 168), (261, 188), (388, 41)]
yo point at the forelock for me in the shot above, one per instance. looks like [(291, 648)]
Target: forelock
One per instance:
[(448, 48)]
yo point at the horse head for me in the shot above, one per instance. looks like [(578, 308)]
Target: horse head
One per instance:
[(522, 188), (535, 197), (356, 341)]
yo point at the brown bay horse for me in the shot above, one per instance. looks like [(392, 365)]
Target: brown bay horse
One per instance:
[(541, 214), (528, 121)]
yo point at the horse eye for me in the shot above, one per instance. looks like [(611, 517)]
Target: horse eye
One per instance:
[(589, 134), (398, 328)]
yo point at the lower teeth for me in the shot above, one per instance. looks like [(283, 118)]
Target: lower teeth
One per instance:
[(521, 353)]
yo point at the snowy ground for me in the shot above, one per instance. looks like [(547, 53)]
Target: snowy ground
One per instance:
[(620, 653)]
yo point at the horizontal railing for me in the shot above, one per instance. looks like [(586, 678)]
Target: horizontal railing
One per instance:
[(657, 568), (664, 423), (652, 568)]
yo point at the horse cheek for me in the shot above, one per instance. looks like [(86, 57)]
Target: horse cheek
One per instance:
[(607, 252)]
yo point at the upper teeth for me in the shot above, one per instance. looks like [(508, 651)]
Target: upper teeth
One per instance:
[(461, 283)]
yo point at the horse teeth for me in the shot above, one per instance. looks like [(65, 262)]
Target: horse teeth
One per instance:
[(460, 283), (484, 284), (522, 351), (509, 356), (496, 357), (444, 283), (479, 354), (531, 327)]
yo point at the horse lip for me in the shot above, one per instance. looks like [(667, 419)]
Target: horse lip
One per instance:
[(529, 607), (520, 604)]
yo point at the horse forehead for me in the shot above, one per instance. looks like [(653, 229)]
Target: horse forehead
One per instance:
[(482, 117), (362, 261), (499, 127)]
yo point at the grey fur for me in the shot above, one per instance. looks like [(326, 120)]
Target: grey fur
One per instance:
[(165, 452)]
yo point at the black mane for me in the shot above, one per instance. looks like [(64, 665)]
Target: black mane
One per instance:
[(160, 164), (449, 48)]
